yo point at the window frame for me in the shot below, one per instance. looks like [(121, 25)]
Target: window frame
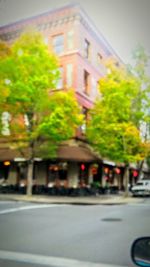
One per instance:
[(69, 74), (70, 40), (60, 82), (87, 46), (86, 79), (58, 46)]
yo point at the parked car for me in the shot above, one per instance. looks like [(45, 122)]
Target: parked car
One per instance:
[(142, 188)]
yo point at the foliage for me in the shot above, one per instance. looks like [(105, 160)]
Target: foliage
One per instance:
[(141, 70), (29, 73), (5, 51), (63, 112), (29, 70), (113, 128)]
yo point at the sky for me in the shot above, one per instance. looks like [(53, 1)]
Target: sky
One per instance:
[(123, 23)]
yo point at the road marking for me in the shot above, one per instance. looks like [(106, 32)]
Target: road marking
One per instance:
[(47, 260), (30, 207)]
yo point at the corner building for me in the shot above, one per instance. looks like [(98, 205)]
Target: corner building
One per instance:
[(82, 50)]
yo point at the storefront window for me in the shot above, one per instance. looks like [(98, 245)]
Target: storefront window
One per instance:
[(57, 171)]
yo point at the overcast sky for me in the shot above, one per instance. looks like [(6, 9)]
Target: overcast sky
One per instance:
[(124, 23)]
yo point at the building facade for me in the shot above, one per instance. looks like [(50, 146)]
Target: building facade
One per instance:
[(82, 50)]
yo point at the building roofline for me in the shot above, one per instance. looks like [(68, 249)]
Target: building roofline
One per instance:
[(82, 12), (99, 34), (30, 18)]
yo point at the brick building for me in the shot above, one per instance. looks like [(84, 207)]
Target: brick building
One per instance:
[(82, 51)]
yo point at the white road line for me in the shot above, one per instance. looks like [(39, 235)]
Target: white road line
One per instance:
[(48, 261), (30, 207)]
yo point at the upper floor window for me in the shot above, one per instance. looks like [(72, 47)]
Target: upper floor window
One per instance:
[(94, 86), (59, 84), (46, 40), (84, 125), (69, 74), (87, 48), (99, 58), (86, 82), (5, 120), (117, 64), (58, 43), (70, 40)]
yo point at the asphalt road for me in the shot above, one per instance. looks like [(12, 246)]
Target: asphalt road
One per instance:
[(50, 235)]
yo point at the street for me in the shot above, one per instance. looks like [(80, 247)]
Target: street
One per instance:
[(53, 234)]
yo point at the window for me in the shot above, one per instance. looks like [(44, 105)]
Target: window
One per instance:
[(46, 40), (117, 64), (69, 74), (59, 84), (58, 44), (70, 40), (108, 71), (5, 120), (84, 125), (26, 120), (86, 82), (99, 58), (94, 87), (87, 49)]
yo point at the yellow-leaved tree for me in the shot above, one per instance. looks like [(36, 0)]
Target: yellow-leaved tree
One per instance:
[(114, 125)]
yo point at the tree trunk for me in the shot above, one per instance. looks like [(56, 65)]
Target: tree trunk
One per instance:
[(140, 169), (30, 177), (126, 179)]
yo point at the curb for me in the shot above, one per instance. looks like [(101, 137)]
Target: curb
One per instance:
[(108, 200)]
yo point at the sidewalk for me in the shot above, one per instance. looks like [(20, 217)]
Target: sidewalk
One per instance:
[(92, 200)]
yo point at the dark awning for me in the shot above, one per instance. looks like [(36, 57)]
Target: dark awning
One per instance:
[(76, 153), (67, 151), (10, 154)]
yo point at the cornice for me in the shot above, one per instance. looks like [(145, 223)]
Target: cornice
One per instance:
[(49, 20), (14, 31)]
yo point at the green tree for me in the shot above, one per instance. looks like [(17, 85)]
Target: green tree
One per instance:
[(41, 117), (113, 127), (140, 69), (4, 52)]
